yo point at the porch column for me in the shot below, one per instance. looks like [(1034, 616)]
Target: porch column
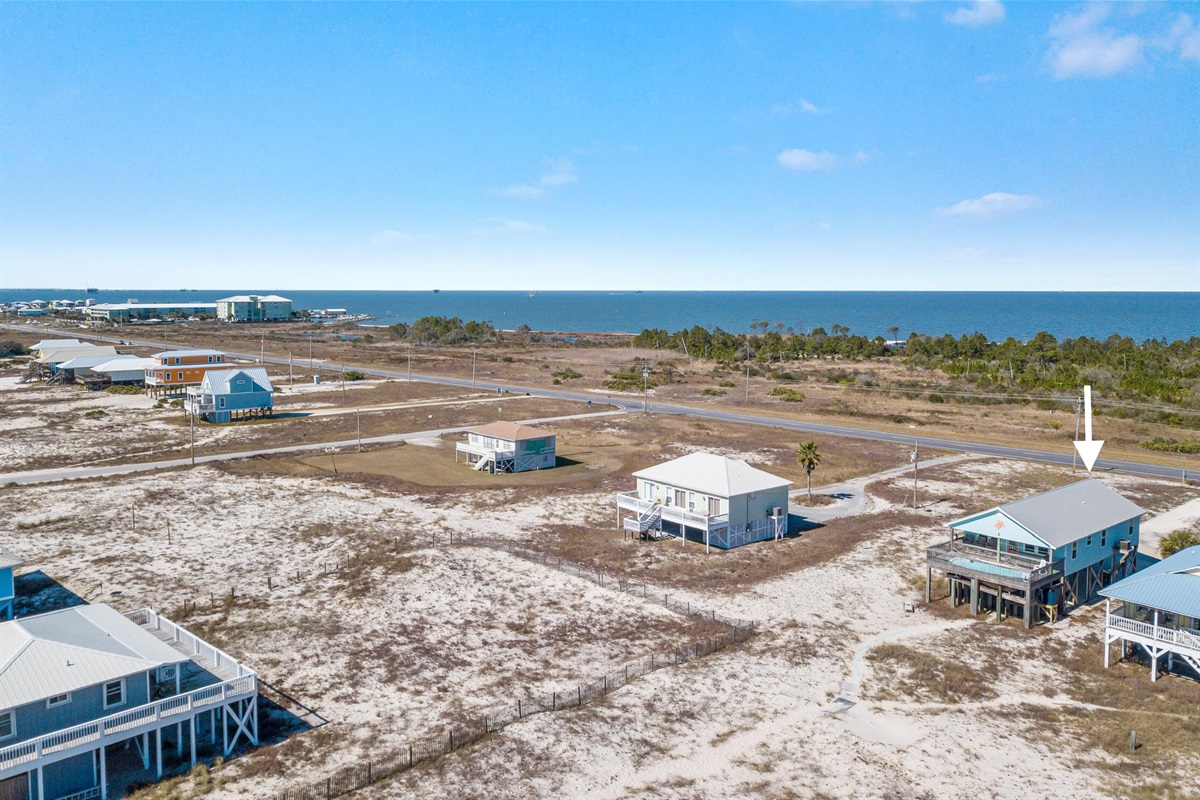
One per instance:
[(103, 775), (1153, 664), (41, 788), (1029, 607), (1107, 615), (974, 596), (707, 551), (195, 723), (158, 753), (178, 739)]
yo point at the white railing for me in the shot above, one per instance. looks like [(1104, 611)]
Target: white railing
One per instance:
[(1034, 568), (86, 794), (200, 648), (127, 722), (631, 502), (1149, 630), (467, 447)]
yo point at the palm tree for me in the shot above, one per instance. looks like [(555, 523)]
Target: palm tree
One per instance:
[(1175, 541), (808, 457)]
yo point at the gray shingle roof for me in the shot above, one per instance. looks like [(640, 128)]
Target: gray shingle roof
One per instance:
[(1172, 584), (1061, 516), (712, 474)]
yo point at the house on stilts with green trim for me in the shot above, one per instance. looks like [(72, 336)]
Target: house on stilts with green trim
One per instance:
[(1035, 557)]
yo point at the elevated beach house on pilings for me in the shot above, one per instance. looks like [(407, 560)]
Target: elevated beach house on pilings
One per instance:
[(1029, 557), (228, 394), (8, 562), (1158, 611), (89, 696), (175, 370), (722, 502), (508, 447)]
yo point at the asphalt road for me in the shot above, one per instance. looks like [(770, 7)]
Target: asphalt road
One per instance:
[(635, 404)]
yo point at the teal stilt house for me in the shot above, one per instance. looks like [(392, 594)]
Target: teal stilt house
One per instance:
[(1032, 557), (8, 562)]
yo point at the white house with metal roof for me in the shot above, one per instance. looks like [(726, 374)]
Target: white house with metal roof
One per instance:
[(87, 693), (1159, 611), (254, 308), (227, 394), (1029, 556), (508, 447), (723, 502), (124, 369), (8, 562), (46, 345)]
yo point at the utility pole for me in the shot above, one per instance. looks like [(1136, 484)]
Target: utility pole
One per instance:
[(1078, 413), (310, 361), (192, 431), (410, 363), (747, 382), (262, 343), (358, 424), (473, 352), (343, 383), (916, 456), (291, 374), (645, 389)]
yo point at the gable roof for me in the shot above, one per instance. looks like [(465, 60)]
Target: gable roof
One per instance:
[(511, 431), (64, 651), (124, 363), (53, 343), (217, 380), (712, 474), (63, 354), (1066, 514), (92, 361), (1172, 584)]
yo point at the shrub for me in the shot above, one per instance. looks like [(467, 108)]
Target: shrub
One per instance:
[(566, 374), (1164, 445), (936, 398), (96, 413), (8, 347), (727, 384), (123, 389), (557, 382), (712, 392), (354, 375), (787, 394), (1175, 541), (1055, 424)]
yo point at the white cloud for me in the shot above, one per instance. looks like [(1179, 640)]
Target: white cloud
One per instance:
[(391, 236), (560, 172), (996, 204), (981, 12), (501, 225), (1183, 37), (808, 161), (1081, 47), (556, 172), (787, 109), (521, 191)]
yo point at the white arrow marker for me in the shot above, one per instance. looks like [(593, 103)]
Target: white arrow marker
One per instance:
[(1089, 450)]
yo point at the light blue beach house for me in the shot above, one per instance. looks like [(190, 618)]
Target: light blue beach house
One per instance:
[(89, 696), (8, 562), (229, 394), (1028, 557), (722, 502), (1158, 611)]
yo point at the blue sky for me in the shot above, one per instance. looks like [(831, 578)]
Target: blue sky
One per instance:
[(600, 146)]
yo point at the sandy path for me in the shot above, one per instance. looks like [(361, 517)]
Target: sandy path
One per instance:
[(1186, 516)]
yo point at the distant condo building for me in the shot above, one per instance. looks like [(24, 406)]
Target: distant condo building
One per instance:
[(254, 308), (127, 312)]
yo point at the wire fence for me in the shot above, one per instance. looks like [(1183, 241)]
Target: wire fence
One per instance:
[(395, 761)]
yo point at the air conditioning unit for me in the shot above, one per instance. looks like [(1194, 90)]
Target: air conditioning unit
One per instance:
[(1123, 545), (777, 511)]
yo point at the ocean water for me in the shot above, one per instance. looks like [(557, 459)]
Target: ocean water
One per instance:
[(998, 315)]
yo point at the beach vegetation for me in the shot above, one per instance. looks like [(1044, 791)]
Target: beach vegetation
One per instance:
[(808, 456), (1178, 540)]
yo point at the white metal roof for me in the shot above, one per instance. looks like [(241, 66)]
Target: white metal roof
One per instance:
[(252, 298), (92, 361), (217, 380), (64, 651), (124, 363), (712, 475), (68, 353), (51, 343)]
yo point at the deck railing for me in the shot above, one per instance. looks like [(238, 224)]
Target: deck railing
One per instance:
[(199, 648), (1034, 568), (467, 447), (126, 721), (632, 502), (1172, 636)]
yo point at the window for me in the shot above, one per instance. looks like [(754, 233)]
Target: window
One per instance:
[(58, 700), (1131, 527), (669, 495), (1088, 542), (647, 491), (1074, 549), (114, 693), (181, 376), (8, 726), (210, 359), (680, 499), (221, 402), (691, 501), (1195, 623), (1104, 538)]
